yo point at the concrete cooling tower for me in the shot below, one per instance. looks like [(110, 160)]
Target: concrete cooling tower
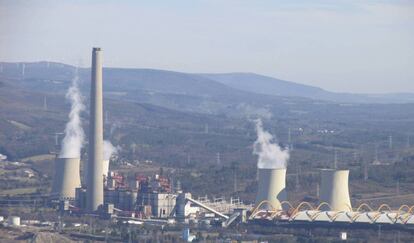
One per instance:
[(272, 187), (334, 190), (94, 190), (66, 178)]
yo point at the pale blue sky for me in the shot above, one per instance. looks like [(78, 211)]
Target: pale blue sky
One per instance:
[(341, 45)]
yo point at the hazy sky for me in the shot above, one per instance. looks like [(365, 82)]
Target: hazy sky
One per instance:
[(357, 46)]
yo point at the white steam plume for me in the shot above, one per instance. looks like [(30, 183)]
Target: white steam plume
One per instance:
[(271, 155), (108, 150), (74, 135)]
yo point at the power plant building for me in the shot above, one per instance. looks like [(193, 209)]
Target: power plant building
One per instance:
[(94, 185), (162, 205), (124, 199)]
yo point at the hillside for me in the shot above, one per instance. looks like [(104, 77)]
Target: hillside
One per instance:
[(183, 121), (265, 85), (172, 90), (46, 75), (176, 90), (260, 84)]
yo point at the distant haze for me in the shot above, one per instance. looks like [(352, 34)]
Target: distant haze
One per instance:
[(346, 46)]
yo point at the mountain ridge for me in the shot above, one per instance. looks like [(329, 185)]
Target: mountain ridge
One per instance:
[(233, 84), (262, 84)]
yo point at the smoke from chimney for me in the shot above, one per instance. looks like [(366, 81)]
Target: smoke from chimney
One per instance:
[(108, 150), (74, 135), (270, 154)]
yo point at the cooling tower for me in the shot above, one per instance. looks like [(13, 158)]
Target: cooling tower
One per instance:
[(66, 178), (272, 183), (334, 189), (94, 190)]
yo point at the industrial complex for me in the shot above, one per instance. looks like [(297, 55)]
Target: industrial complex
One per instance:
[(110, 195)]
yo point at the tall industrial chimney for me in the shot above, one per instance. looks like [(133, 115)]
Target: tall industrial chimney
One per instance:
[(334, 190), (66, 178), (94, 188), (272, 187), (105, 171)]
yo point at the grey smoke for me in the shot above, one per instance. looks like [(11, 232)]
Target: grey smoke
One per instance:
[(108, 150), (254, 112), (74, 136), (114, 127), (270, 154)]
